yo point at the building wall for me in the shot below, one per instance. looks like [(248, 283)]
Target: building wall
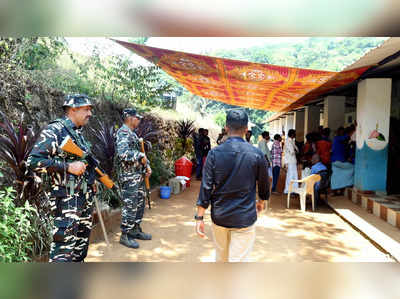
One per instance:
[(373, 111)]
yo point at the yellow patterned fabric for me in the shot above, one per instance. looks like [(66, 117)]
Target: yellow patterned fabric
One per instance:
[(245, 84)]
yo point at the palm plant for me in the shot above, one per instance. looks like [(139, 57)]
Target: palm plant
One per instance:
[(104, 149), (15, 147), (185, 130), (146, 131)]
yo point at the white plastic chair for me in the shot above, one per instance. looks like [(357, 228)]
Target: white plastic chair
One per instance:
[(307, 188)]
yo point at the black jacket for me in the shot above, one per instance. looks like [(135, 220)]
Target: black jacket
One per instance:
[(229, 183)]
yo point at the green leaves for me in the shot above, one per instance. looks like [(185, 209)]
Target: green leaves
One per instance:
[(117, 78), (381, 137), (331, 54), (23, 233), (33, 53), (15, 243), (185, 129)]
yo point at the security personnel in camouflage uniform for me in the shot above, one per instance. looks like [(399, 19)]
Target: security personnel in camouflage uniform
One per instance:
[(72, 180), (133, 166)]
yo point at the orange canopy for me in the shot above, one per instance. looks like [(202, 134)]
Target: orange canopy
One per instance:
[(246, 84)]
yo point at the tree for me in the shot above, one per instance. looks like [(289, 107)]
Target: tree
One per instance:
[(118, 78), (34, 53)]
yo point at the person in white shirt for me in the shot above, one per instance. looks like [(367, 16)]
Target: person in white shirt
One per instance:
[(263, 146), (289, 159)]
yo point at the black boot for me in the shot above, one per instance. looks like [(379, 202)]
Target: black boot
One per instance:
[(128, 241), (137, 233)]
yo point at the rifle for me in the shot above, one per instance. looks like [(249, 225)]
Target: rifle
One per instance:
[(69, 146), (146, 179)]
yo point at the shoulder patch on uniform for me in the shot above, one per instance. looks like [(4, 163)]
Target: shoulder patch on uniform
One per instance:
[(55, 125)]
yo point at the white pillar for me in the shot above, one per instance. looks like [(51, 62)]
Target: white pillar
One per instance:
[(289, 122), (281, 126), (298, 120), (373, 118), (334, 112), (276, 126), (271, 127), (311, 119)]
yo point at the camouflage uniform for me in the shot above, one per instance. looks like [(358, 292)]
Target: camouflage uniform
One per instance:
[(132, 178), (71, 196)]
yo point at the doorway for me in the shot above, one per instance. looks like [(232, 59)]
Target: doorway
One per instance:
[(393, 186)]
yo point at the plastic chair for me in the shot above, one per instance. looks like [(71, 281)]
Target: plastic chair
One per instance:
[(307, 188)]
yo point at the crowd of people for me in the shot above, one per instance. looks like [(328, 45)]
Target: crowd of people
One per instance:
[(334, 159), (234, 168), (319, 154)]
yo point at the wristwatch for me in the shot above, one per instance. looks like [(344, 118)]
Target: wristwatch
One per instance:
[(198, 217)]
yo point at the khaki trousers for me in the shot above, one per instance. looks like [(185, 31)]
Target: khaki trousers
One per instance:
[(233, 244)]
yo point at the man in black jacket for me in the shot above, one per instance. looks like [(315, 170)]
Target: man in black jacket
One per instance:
[(229, 185)]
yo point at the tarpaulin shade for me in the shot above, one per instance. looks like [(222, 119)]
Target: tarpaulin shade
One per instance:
[(245, 84)]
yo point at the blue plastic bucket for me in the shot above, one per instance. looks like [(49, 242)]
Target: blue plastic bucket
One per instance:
[(165, 192)]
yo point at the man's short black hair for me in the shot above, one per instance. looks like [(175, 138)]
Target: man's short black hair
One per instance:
[(292, 133), (201, 130), (340, 130), (326, 132), (237, 119), (277, 137), (265, 134)]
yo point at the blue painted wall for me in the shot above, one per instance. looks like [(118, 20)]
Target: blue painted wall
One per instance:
[(371, 169)]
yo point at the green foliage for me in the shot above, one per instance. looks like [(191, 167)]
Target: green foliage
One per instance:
[(220, 118), (113, 78), (185, 130), (41, 231), (161, 170), (16, 144), (33, 53), (118, 78), (108, 196), (15, 228), (330, 54)]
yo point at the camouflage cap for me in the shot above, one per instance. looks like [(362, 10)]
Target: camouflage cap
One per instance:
[(130, 112), (237, 118), (76, 100)]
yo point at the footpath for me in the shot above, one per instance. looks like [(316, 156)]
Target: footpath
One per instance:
[(283, 235)]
